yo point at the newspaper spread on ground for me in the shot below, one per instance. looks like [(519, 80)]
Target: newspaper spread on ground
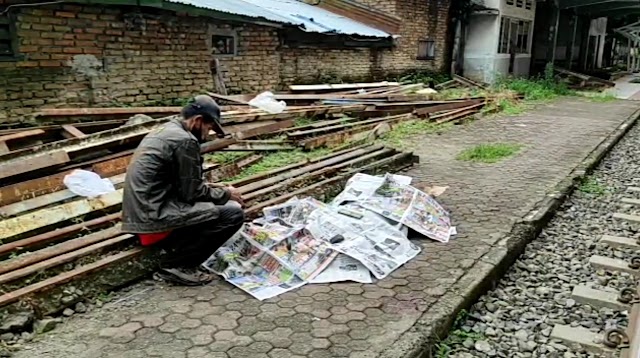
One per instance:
[(268, 260), (411, 207), (376, 244), (344, 268), (362, 232)]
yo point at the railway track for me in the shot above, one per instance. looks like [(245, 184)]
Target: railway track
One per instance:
[(616, 341)]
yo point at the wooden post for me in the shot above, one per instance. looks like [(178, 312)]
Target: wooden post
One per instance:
[(574, 19)]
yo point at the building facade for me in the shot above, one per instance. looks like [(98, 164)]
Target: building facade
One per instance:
[(83, 55), (499, 40)]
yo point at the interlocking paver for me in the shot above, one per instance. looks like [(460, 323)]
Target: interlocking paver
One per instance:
[(350, 319)]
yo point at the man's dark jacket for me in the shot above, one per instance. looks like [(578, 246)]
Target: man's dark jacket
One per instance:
[(164, 189)]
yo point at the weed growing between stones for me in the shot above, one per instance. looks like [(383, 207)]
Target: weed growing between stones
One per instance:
[(590, 185), (280, 159), (489, 153), (444, 349), (401, 133)]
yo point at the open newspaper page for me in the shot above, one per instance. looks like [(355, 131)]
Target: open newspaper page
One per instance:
[(293, 246), (251, 269), (374, 243), (410, 207), (361, 186), (344, 268), (293, 212)]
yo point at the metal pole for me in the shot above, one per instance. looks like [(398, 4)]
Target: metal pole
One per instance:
[(573, 40), (556, 11)]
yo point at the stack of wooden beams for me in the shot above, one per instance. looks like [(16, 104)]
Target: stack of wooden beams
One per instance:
[(57, 248)]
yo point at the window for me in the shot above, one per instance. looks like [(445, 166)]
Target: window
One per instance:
[(528, 4), (223, 45), (523, 4), (516, 33), (7, 38), (426, 50)]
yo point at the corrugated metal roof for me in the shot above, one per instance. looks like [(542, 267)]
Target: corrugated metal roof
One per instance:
[(310, 18)]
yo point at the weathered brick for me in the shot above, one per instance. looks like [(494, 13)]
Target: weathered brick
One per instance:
[(65, 14)]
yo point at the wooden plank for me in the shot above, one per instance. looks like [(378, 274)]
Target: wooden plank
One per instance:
[(47, 200), (57, 250), (55, 235), (71, 112), (62, 259), (270, 173), (325, 171), (46, 160), (256, 209), (268, 128), (89, 125), (619, 241), (105, 167), (21, 135), (633, 189), (45, 217), (323, 130), (340, 86), (446, 107), (62, 278), (627, 217), (72, 131), (278, 178)]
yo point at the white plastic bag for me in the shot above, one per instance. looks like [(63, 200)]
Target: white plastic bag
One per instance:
[(87, 184), (266, 101)]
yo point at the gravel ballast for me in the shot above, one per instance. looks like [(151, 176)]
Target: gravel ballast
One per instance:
[(516, 318)]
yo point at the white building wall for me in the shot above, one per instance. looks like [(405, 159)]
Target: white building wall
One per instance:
[(482, 61)]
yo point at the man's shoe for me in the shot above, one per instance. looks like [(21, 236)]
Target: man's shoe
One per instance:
[(183, 277)]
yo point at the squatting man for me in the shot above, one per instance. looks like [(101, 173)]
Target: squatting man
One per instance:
[(168, 204)]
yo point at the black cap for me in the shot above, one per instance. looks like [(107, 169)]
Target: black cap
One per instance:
[(205, 106)]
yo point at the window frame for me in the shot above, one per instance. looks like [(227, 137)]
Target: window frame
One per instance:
[(222, 33), (10, 20), (522, 38), (427, 43)]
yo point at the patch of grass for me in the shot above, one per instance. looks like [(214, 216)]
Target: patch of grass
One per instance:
[(423, 77), (225, 157), (536, 89), (510, 106), (444, 348), (404, 130), (280, 159), (489, 153), (603, 97), (590, 185), (303, 121)]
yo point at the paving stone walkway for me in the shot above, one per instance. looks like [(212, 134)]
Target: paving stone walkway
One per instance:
[(354, 320)]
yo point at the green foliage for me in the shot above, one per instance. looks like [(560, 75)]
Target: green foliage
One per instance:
[(280, 159), (510, 107), (402, 131), (225, 157), (602, 97), (303, 121), (444, 349), (536, 88), (590, 185), (489, 153), (423, 77)]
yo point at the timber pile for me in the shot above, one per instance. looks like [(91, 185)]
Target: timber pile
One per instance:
[(57, 248), (580, 80)]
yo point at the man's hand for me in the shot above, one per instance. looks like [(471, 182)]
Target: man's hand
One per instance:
[(235, 195)]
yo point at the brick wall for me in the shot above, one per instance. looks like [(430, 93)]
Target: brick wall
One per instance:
[(105, 56), (93, 56)]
